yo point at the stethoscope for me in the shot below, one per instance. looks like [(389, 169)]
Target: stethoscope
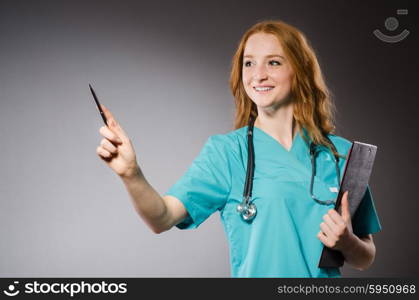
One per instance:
[(246, 208)]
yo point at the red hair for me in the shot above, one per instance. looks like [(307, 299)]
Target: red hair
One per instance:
[(313, 106)]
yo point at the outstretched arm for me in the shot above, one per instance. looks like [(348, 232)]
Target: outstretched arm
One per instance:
[(117, 151)]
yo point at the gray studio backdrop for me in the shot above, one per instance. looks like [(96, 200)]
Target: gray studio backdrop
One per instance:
[(162, 68)]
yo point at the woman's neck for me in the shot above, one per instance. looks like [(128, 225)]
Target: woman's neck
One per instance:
[(280, 124)]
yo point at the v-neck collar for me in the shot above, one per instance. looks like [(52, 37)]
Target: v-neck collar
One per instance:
[(297, 156), (296, 140)]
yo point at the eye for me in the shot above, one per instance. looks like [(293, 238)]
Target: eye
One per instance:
[(247, 63), (274, 63)]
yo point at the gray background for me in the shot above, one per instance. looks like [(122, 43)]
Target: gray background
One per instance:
[(162, 68)]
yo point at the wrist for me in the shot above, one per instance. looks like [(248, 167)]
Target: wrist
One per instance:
[(351, 243), (134, 174)]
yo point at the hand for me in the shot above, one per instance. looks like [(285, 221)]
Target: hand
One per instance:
[(336, 230), (115, 148)]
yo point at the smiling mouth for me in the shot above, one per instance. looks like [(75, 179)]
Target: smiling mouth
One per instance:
[(263, 89)]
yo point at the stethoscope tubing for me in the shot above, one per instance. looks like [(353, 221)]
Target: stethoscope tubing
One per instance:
[(246, 208)]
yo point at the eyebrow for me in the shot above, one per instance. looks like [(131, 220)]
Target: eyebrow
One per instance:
[(269, 56)]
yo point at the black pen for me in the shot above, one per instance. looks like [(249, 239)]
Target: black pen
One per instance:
[(98, 105)]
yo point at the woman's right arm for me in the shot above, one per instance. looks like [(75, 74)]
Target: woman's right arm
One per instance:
[(116, 150)]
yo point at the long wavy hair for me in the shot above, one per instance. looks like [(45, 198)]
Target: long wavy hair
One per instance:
[(312, 104)]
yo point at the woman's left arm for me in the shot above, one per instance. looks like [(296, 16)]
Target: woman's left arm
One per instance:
[(336, 233), (360, 253)]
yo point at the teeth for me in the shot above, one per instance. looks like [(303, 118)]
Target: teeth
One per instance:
[(263, 88)]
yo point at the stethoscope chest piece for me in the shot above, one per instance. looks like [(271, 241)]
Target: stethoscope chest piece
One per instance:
[(247, 211)]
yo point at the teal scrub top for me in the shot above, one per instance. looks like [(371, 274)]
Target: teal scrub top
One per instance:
[(282, 239)]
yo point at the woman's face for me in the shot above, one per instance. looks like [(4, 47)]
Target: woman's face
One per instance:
[(266, 72)]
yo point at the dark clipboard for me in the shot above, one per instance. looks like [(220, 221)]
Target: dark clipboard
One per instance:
[(355, 179)]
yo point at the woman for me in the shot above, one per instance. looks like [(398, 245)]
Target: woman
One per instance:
[(282, 105)]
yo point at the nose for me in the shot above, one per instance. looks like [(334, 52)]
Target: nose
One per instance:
[(260, 73)]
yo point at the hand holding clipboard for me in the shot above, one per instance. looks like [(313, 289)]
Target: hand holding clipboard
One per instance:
[(358, 169)]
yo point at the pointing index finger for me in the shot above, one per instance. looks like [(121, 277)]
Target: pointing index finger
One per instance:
[(112, 123), (107, 113)]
